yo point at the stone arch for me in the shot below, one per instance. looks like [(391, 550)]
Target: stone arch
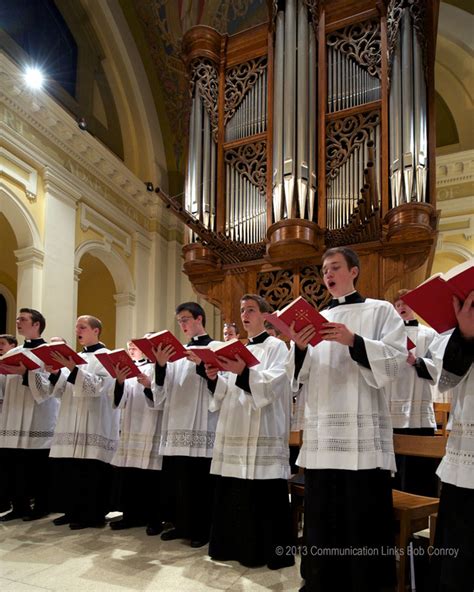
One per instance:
[(19, 218), (113, 262), (124, 296)]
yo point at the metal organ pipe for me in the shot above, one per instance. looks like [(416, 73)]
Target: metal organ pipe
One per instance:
[(289, 106), (420, 124), (278, 94), (312, 162), (407, 103), (302, 108), (395, 108)]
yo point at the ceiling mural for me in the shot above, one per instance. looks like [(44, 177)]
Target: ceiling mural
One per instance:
[(163, 24)]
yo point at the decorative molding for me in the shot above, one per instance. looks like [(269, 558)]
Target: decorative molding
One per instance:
[(37, 123), (125, 299), (239, 80), (111, 233), (21, 172), (57, 185), (443, 246), (453, 169), (142, 241), (205, 76), (362, 43), (455, 225), (77, 273), (29, 256), (250, 161)]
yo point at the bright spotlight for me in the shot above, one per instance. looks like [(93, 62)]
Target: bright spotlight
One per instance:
[(34, 78)]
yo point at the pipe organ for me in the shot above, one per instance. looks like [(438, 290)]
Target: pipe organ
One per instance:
[(311, 131)]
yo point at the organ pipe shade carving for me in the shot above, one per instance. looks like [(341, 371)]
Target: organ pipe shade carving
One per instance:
[(245, 108)]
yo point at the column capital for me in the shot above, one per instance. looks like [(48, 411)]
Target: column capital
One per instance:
[(124, 299), (29, 256)]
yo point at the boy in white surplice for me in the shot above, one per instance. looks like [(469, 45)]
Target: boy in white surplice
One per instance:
[(27, 423), (251, 519), (453, 555), (347, 447), (188, 431)]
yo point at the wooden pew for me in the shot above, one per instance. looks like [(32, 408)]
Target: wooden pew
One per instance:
[(411, 511), (442, 411)]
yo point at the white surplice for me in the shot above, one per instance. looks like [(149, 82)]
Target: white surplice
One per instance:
[(457, 466), (253, 428), (411, 397), (88, 422), (347, 418), (140, 427), (188, 426), (29, 413)]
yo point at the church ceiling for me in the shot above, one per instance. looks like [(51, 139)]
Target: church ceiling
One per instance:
[(158, 27)]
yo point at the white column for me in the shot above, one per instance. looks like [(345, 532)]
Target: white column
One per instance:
[(30, 277), (59, 287), (124, 318), (144, 320)]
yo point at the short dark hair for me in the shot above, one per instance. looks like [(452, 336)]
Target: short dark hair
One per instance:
[(263, 305), (399, 294), (12, 340), (36, 317), (194, 308), (351, 257), (93, 322)]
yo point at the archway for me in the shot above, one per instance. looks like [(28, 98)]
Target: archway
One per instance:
[(105, 286)]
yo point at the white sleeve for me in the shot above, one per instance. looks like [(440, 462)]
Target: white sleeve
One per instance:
[(93, 382), (40, 385), (387, 353), (216, 398), (268, 380)]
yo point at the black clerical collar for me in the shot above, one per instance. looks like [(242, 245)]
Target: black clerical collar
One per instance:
[(200, 340), (30, 343), (412, 323), (141, 362), (260, 338), (92, 348), (352, 298)]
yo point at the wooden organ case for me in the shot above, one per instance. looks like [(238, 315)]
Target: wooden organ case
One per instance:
[(312, 131)]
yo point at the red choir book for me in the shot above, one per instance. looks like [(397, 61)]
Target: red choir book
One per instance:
[(43, 352), (16, 358), (118, 357), (433, 299), (410, 344), (146, 344), (230, 349), (302, 314)]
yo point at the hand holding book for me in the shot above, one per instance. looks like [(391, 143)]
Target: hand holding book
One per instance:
[(465, 315)]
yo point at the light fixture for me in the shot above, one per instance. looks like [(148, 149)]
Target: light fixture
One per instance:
[(82, 123), (149, 186), (34, 78)]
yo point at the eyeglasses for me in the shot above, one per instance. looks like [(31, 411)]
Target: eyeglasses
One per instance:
[(183, 320)]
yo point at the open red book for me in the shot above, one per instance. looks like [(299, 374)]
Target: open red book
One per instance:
[(16, 358), (302, 314), (209, 354), (433, 299), (43, 352), (117, 357), (163, 338)]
